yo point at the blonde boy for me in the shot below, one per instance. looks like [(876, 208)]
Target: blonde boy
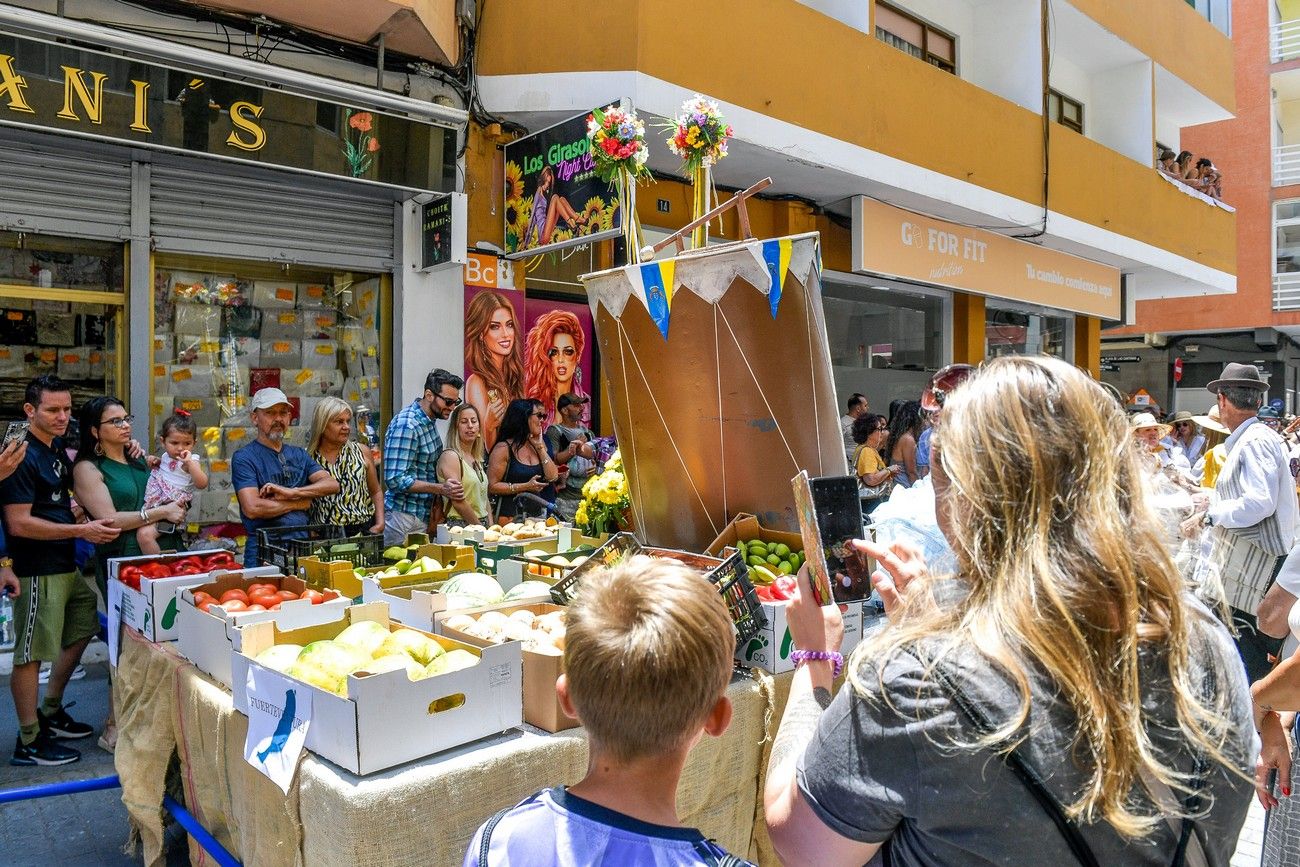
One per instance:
[(647, 659)]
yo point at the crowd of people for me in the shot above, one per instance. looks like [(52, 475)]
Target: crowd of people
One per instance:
[(1197, 173)]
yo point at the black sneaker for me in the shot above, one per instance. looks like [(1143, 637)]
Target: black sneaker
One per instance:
[(60, 725), (43, 751)]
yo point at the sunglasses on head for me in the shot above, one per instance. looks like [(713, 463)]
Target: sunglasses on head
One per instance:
[(944, 381)]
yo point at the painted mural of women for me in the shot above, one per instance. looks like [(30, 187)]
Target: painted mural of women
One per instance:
[(495, 372), (552, 360)]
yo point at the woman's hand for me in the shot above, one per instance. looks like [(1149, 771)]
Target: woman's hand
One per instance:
[(812, 626), (900, 563), (153, 462), (172, 513), (496, 411), (1274, 755), (535, 484)]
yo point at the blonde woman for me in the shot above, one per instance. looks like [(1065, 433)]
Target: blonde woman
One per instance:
[(463, 460), (359, 505), (1063, 673)]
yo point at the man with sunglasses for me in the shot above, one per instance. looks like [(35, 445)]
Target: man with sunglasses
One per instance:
[(569, 443), (274, 482), (411, 450)]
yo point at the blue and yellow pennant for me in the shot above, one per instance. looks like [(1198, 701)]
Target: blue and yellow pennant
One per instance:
[(657, 282), (776, 255)]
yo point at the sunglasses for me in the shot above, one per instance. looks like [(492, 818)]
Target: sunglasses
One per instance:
[(567, 351), (119, 422), (450, 401), (943, 382), (540, 415)]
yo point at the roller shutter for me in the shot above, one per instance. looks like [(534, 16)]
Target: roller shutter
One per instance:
[(209, 207), (62, 186)]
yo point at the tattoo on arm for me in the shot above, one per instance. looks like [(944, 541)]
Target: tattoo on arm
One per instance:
[(797, 727)]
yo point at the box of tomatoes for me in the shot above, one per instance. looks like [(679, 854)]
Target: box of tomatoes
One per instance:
[(212, 614), (142, 589)]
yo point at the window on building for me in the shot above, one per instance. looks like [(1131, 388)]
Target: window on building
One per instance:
[(1065, 111), (1286, 224), (1014, 330), (912, 35)]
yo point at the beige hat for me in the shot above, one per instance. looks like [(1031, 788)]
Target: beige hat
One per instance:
[(1145, 420), (1210, 421)]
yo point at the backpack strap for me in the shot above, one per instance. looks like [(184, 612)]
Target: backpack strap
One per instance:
[(485, 842), (1023, 771)]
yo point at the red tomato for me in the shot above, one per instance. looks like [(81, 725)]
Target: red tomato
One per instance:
[(206, 604), (234, 594), (315, 596), (263, 596), (331, 595), (256, 607), (286, 595), (253, 588), (201, 596), (235, 605), (275, 607)]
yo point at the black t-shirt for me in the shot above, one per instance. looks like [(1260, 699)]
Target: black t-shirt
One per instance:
[(43, 479)]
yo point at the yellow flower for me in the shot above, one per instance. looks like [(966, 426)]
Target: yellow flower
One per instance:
[(615, 461), (610, 496), (589, 486), (518, 212), (561, 235), (593, 210), (691, 135), (580, 516), (514, 181)]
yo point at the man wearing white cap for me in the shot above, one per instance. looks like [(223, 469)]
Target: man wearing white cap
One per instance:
[(275, 482), (1252, 513)]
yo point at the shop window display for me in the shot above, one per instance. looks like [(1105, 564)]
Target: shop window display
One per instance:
[(47, 323), (1021, 332), (219, 336)]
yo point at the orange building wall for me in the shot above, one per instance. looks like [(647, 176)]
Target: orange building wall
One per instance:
[(1242, 149)]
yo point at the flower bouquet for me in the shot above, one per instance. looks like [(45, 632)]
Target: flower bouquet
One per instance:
[(619, 151), (606, 502), (699, 136)]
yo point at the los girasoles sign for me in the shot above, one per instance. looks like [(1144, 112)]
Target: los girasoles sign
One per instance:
[(58, 88)]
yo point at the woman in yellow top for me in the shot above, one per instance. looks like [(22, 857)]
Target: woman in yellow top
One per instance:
[(870, 432), (463, 460), (1215, 434)]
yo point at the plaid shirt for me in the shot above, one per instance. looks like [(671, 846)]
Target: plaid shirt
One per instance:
[(411, 449)]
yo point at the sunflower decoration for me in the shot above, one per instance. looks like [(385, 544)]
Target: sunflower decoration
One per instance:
[(606, 217), (517, 214), (591, 213), (514, 181), (560, 235)]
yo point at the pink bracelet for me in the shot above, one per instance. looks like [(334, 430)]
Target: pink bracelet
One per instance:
[(836, 659)]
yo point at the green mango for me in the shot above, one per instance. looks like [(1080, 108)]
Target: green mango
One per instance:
[(397, 552), (402, 566)]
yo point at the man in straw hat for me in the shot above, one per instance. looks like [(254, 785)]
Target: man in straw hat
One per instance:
[(1252, 513)]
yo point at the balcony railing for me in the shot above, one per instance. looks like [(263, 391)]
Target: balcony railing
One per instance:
[(1286, 291), (1284, 41), (1286, 165)]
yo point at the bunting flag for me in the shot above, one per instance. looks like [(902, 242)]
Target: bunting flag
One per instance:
[(776, 255), (657, 290)]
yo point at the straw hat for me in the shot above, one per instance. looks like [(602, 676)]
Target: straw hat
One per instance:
[(1145, 420), (1210, 421)]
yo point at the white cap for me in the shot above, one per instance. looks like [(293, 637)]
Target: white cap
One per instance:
[(265, 398)]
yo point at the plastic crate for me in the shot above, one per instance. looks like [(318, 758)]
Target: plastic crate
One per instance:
[(730, 576), (283, 546)]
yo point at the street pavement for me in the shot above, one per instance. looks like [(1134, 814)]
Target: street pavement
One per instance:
[(87, 828)]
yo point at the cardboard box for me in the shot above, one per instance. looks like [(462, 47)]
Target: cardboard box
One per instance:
[(13, 361), (282, 325), (206, 413), (41, 360), (340, 575), (745, 526), (770, 649), (540, 670), (311, 382), (282, 353), (56, 329), (388, 719), (74, 363), (319, 324), (314, 295), (209, 638), (320, 354), (243, 321), (193, 349), (164, 348), (198, 320), (514, 570), (152, 609), (240, 351), (274, 295), (190, 380), (97, 357)]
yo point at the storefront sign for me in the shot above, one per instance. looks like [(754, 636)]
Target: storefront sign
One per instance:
[(59, 88), (489, 272), (893, 242), (443, 231), (553, 197)]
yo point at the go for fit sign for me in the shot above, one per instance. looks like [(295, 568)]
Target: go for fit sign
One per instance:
[(893, 242)]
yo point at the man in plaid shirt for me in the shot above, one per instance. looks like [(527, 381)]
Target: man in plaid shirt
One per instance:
[(411, 450)]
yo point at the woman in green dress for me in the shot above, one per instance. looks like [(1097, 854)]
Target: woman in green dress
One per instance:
[(109, 483)]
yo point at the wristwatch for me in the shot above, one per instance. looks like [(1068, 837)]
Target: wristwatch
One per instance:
[(1206, 521)]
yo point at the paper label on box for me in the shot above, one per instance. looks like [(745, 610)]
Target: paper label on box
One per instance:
[(4, 353), (95, 357), (315, 291), (324, 350), (279, 714), (49, 355), (370, 350), (191, 405), (221, 466), (288, 318), (160, 370), (235, 433), (324, 321), (280, 346), (284, 294), (303, 376), (499, 675), (181, 375), (71, 358), (14, 316)]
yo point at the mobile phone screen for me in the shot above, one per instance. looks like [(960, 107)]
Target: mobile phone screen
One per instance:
[(830, 518), (16, 431)]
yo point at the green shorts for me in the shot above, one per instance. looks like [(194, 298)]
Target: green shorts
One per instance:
[(51, 613)]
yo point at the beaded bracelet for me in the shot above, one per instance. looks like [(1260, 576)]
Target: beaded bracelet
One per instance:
[(836, 659)]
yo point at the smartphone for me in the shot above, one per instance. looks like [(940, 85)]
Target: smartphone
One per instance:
[(16, 431), (830, 519)]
